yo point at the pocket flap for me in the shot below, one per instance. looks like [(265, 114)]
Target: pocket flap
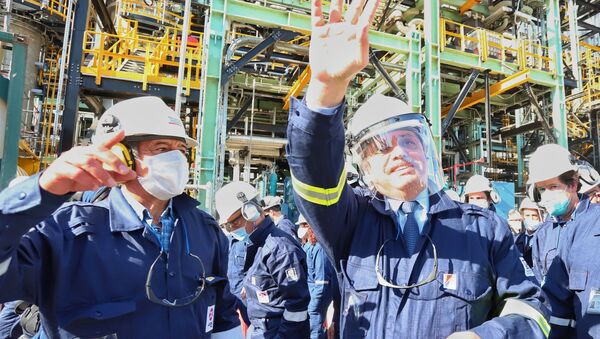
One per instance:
[(101, 311), (577, 280), (465, 285), (361, 277)]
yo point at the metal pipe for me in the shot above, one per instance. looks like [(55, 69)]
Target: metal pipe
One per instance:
[(488, 119), (62, 63), (182, 52)]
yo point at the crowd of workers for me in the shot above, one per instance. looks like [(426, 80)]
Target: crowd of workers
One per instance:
[(394, 257)]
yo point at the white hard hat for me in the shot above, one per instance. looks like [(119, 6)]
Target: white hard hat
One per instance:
[(529, 204), (549, 161), (588, 176), (351, 173), (141, 118), (477, 183), (375, 122), (271, 201), (232, 197), (375, 110), (301, 220)]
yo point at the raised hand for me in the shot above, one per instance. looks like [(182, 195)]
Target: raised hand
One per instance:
[(339, 49), (85, 168)]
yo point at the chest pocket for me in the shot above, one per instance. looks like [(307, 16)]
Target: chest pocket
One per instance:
[(577, 280), (108, 319), (467, 296), (359, 300)]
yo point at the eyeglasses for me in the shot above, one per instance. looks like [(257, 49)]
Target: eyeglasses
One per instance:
[(383, 282), (179, 302)]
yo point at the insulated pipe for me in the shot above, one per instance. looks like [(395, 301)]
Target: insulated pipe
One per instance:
[(182, 50)]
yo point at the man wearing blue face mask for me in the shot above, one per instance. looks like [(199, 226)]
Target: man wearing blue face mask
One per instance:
[(273, 271), (142, 263), (566, 246), (532, 216)]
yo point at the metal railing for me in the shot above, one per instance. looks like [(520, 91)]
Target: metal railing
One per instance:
[(142, 58), (525, 54), (159, 11), (55, 7)]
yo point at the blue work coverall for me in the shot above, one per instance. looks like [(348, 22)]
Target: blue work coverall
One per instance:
[(573, 281), (289, 227), (546, 242), (275, 284), (236, 273), (322, 283), (480, 283), (86, 265)]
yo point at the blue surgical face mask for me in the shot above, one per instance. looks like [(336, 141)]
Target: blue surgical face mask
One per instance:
[(531, 225), (240, 234), (555, 202)]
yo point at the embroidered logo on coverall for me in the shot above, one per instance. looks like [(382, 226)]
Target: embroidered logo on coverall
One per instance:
[(291, 274)]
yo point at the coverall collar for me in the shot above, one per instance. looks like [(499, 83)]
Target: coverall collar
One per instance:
[(438, 202), (122, 217), (261, 232)]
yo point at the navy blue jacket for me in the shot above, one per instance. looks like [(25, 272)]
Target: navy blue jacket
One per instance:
[(236, 273), (275, 284), (479, 275), (523, 243), (574, 275), (322, 284), (289, 227), (85, 265)]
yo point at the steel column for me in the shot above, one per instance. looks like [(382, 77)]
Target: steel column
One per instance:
[(488, 119), (206, 164), (14, 103), (413, 72), (432, 70), (559, 110), (459, 99), (520, 142), (71, 105)]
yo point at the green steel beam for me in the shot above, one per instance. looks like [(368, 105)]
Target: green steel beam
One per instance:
[(252, 13), (559, 109), (432, 71), (14, 103), (413, 72), (206, 160)]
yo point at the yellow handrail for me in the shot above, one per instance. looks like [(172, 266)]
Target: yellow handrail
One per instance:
[(56, 7)]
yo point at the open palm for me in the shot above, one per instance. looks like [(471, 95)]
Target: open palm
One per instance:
[(339, 49)]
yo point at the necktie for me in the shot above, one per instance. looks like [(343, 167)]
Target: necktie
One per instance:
[(411, 228)]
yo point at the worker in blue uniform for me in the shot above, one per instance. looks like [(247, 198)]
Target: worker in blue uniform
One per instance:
[(322, 282), (479, 192), (571, 281), (235, 273), (554, 187), (413, 263), (533, 216), (272, 207), (274, 287), (142, 263)]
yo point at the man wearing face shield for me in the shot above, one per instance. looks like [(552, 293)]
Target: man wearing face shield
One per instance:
[(479, 192), (142, 263), (570, 235), (412, 262), (532, 216), (274, 286)]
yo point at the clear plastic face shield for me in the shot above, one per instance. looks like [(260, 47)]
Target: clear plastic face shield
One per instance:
[(397, 157)]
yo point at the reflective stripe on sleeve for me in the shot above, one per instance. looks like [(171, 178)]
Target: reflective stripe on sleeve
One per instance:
[(295, 316), (518, 307), (562, 321), (4, 265), (318, 195), (321, 282)]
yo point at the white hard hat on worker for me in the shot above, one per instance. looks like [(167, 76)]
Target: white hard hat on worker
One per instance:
[(590, 182), (394, 149), (238, 207), (533, 214), (554, 180), (154, 144), (479, 191)]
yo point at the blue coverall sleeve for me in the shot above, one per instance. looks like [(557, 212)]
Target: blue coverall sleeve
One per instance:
[(536, 257), (315, 153), (226, 316), (320, 294), (560, 297), (519, 304), (289, 272), (24, 252)]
